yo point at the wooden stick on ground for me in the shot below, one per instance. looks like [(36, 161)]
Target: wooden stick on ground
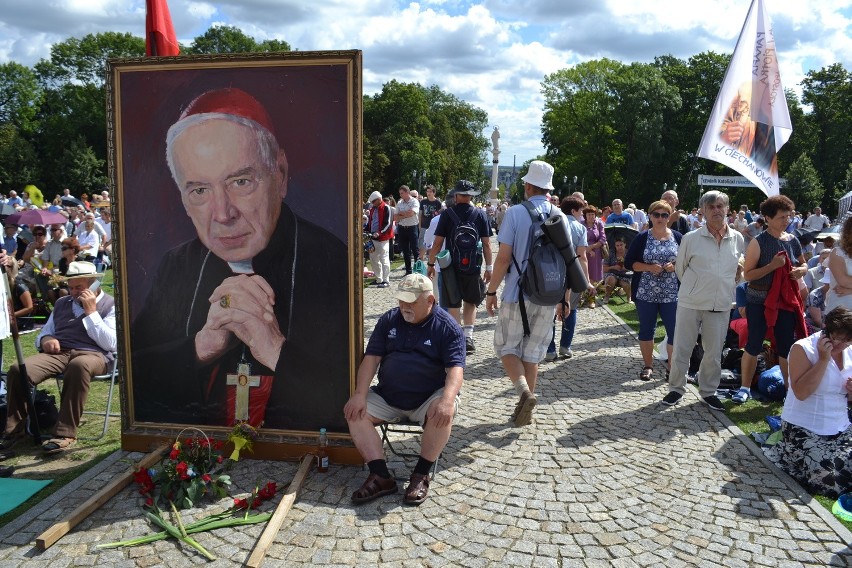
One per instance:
[(281, 511), (49, 537)]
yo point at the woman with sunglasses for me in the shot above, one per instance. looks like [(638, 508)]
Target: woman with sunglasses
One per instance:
[(70, 249), (817, 436), (654, 285)]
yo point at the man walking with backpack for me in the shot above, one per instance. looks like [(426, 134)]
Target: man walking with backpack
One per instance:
[(521, 344), (466, 230)]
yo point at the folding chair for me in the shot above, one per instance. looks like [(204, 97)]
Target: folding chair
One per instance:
[(406, 428), (111, 376)]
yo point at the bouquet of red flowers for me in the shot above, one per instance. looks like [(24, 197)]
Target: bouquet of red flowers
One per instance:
[(193, 468)]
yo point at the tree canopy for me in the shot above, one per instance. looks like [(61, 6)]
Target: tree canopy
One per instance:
[(410, 129), (623, 129)]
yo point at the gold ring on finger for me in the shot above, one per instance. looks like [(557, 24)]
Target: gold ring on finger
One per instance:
[(225, 301)]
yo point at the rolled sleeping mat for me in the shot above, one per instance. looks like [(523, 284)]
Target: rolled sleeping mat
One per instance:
[(448, 277), (557, 231)]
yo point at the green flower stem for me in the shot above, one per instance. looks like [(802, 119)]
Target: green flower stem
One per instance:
[(174, 532), (213, 522), (179, 520)]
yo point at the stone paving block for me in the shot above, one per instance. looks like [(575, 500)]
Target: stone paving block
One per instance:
[(603, 477)]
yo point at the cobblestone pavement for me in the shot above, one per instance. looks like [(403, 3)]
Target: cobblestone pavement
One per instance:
[(605, 476)]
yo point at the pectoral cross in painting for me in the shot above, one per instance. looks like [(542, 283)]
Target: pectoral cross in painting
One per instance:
[(243, 380)]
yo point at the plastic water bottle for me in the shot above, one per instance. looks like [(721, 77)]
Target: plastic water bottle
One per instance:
[(322, 452)]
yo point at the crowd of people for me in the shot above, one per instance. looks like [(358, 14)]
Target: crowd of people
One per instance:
[(697, 271), (54, 269)]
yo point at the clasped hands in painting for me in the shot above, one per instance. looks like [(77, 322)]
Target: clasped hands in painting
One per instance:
[(241, 309)]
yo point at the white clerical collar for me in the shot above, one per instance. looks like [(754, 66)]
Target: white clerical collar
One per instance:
[(241, 267)]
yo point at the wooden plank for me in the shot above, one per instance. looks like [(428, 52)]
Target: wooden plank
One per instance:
[(263, 450), (49, 537), (274, 524)]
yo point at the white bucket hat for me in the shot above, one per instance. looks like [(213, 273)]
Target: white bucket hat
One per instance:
[(540, 175)]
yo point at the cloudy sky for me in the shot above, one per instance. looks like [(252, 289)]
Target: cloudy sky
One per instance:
[(491, 53)]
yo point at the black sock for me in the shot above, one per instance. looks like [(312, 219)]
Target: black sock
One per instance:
[(380, 468), (423, 466)]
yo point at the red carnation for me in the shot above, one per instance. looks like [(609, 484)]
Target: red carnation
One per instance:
[(181, 470), (206, 478)]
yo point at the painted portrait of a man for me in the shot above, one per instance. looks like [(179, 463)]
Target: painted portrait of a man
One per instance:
[(248, 319)]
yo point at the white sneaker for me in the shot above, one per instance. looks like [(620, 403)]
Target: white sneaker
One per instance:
[(550, 356), (566, 352)]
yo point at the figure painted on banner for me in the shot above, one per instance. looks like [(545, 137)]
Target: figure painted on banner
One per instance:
[(754, 139), (241, 320)]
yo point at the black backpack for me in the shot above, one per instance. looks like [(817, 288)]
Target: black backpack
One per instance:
[(543, 279), (464, 243)]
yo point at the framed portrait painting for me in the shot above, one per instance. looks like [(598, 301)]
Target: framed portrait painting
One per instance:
[(237, 194)]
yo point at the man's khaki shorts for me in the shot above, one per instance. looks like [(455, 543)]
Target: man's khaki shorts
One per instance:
[(378, 408)]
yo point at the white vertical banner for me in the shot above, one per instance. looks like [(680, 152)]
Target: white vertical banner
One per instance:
[(750, 121)]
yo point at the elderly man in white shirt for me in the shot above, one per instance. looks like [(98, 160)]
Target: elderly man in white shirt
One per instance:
[(707, 266)]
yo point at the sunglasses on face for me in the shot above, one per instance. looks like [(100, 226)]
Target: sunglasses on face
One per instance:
[(659, 215)]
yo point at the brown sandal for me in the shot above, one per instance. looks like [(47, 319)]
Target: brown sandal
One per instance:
[(57, 445), (646, 373), (374, 487)]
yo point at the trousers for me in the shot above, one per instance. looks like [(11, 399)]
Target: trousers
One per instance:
[(77, 367), (713, 327)]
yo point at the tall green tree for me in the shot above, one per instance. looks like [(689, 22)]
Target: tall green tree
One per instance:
[(409, 129), (74, 106), (230, 39), (578, 126), (20, 96), (19, 161), (829, 94), (803, 184), (643, 100), (697, 80)]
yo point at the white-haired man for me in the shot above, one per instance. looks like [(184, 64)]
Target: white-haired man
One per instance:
[(228, 331)]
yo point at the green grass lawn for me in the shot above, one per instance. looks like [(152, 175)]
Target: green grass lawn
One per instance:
[(88, 452), (749, 417)]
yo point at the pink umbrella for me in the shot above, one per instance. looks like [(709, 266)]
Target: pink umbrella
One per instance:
[(36, 217)]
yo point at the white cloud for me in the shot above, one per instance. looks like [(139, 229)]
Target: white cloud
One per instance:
[(491, 53)]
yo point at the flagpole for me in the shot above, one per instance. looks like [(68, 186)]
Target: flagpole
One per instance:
[(715, 102)]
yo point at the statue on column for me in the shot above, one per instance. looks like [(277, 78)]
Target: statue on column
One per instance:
[(495, 151)]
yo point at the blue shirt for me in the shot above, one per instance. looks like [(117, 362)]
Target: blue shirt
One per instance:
[(10, 245), (624, 217), (415, 357), (742, 300), (578, 232)]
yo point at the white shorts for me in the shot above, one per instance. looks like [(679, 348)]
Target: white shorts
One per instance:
[(378, 408), (509, 333)]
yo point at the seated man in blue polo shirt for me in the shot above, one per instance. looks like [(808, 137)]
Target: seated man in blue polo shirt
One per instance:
[(419, 352)]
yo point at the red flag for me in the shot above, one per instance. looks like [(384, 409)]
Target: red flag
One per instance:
[(160, 39)]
